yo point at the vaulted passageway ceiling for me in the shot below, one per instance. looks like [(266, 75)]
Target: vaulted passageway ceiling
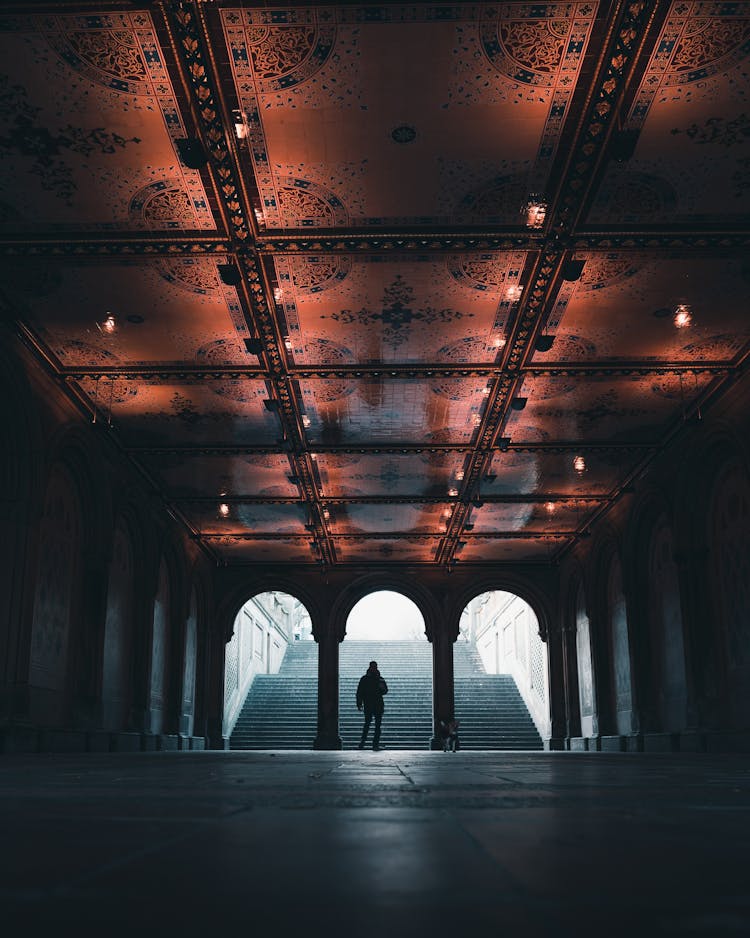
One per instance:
[(346, 337)]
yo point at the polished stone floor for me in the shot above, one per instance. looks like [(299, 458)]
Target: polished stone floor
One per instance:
[(375, 844)]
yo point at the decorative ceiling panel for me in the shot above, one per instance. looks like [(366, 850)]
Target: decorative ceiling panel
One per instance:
[(172, 310), (209, 476), (393, 410), (531, 516), (404, 550), (604, 409), (514, 550), (370, 175), (389, 519), (519, 473), (342, 310), (690, 113), (279, 550), (88, 120), (389, 474), (624, 307), (209, 412), (465, 119)]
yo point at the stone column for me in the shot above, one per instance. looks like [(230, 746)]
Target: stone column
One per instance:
[(214, 700), (328, 690), (558, 705), (443, 699), (570, 675)]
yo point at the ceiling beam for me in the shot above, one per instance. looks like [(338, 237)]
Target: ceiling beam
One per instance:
[(517, 499), (709, 241), (390, 449), (322, 371)]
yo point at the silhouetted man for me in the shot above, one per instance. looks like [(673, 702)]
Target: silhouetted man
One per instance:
[(370, 692)]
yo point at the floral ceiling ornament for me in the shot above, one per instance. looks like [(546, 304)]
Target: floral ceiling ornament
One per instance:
[(398, 313)]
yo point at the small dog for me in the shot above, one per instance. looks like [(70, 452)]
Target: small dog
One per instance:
[(450, 735)]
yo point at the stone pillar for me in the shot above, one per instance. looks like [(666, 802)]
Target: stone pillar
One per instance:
[(328, 690), (87, 635), (214, 701), (570, 676), (702, 671), (443, 700), (557, 691)]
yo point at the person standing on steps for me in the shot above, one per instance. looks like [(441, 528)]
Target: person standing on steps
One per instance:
[(370, 692)]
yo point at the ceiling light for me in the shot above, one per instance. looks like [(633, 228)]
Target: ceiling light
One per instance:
[(579, 464), (305, 421), (447, 512), (326, 514), (224, 510), (543, 343), (514, 292), (550, 507), (682, 316), (108, 326), (476, 419), (453, 492), (442, 528), (277, 294), (486, 390), (535, 211), (259, 216), (313, 456), (460, 475), (240, 127), (499, 341), (287, 343)]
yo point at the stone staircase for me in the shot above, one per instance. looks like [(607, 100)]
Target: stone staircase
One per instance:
[(280, 709)]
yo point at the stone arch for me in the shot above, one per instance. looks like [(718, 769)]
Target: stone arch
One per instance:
[(696, 544), (235, 598), (375, 583), (656, 615), (538, 599)]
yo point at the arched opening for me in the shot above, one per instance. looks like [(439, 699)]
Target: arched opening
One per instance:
[(271, 675), (388, 628), (501, 674)]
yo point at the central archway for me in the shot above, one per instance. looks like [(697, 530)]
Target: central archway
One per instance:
[(387, 627)]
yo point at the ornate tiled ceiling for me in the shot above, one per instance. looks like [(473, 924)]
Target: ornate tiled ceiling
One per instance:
[(286, 255)]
